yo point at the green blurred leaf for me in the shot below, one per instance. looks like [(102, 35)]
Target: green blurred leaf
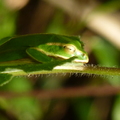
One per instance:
[(7, 21)]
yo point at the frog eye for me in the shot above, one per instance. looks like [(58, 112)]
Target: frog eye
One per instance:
[(69, 49), (83, 55)]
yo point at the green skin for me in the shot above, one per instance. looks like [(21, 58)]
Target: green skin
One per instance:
[(47, 49), (42, 48)]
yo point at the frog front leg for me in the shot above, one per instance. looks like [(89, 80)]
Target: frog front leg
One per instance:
[(39, 56)]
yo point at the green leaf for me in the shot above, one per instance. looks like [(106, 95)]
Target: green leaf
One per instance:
[(5, 78)]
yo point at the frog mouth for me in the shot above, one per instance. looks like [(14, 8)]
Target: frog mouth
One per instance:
[(76, 60)]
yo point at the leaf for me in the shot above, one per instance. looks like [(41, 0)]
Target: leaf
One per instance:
[(28, 68), (5, 78)]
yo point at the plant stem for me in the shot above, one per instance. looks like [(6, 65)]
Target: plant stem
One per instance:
[(87, 69)]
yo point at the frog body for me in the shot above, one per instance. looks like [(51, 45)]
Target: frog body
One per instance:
[(42, 48)]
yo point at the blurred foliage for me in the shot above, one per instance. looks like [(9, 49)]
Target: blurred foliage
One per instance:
[(100, 50), (110, 6), (7, 21)]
